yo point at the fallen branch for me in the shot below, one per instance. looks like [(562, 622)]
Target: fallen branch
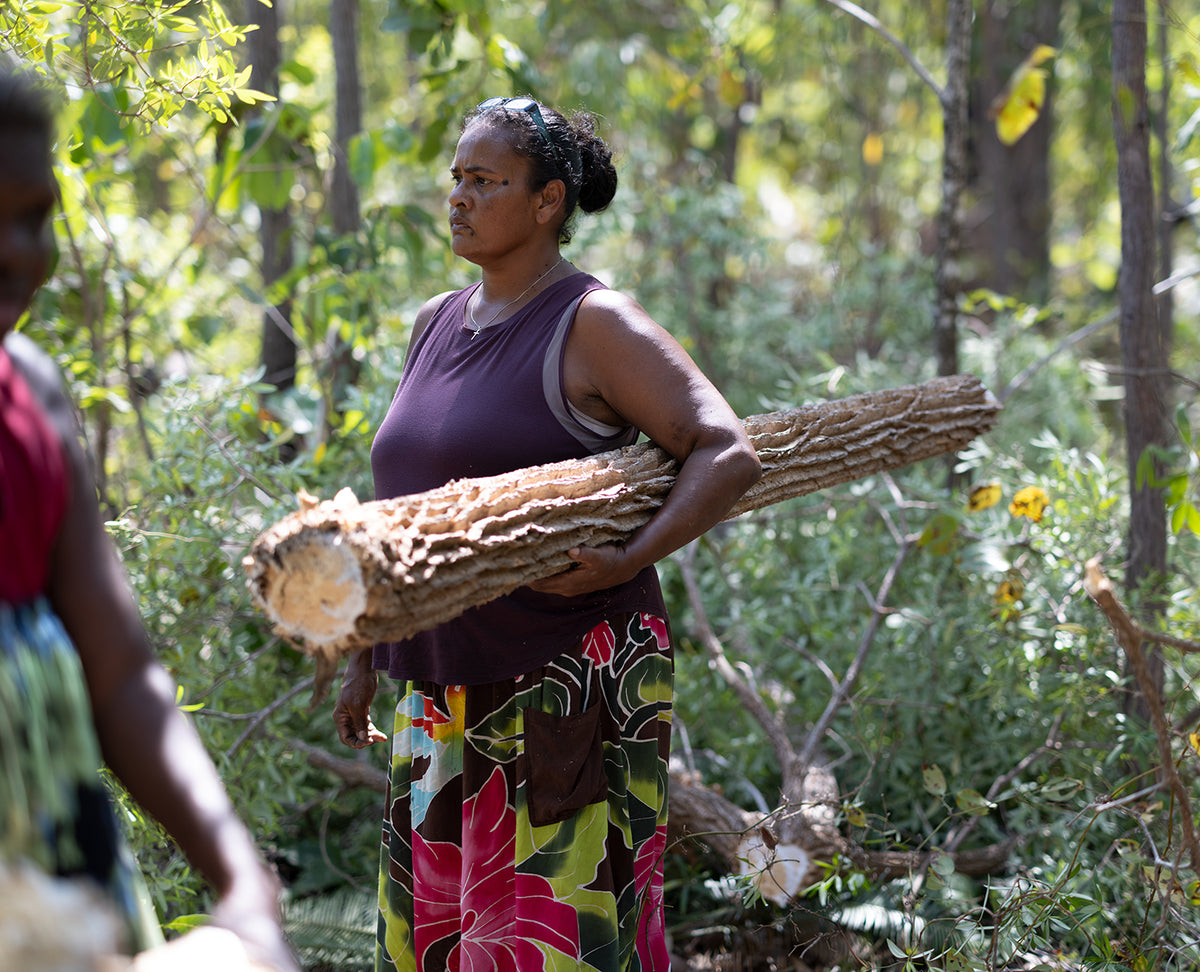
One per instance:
[(785, 851), (342, 575), (1130, 636)]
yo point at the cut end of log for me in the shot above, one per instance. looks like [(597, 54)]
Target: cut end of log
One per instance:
[(778, 872), (315, 594)]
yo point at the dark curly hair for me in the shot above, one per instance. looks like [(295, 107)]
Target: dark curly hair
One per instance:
[(569, 150)]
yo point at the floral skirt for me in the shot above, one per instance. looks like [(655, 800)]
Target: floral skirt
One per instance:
[(54, 806), (526, 819)]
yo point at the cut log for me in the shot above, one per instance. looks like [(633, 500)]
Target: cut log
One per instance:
[(341, 575)]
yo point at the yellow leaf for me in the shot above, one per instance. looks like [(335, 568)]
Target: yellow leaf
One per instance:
[(1194, 739), (1031, 502), (983, 496), (731, 89), (1009, 592), (1189, 69), (872, 148), (1018, 106), (1192, 892)]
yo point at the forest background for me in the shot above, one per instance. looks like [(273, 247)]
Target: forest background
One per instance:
[(817, 201)]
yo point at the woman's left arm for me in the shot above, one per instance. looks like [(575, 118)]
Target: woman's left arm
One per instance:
[(623, 368), (146, 741)]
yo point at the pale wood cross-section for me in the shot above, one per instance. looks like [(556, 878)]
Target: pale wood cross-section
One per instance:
[(341, 575)]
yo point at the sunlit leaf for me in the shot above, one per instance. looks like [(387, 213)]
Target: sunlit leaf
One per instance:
[(1018, 106), (1192, 891), (1031, 502), (984, 496), (872, 148), (1008, 592), (186, 923), (1189, 68)]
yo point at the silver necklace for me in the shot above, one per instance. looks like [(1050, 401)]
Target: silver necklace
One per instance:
[(475, 328)]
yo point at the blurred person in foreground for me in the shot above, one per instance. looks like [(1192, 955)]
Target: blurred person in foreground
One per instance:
[(78, 679)]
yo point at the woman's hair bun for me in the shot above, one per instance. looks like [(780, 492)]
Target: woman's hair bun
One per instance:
[(598, 183)]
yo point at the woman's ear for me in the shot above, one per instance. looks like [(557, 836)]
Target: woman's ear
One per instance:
[(553, 197)]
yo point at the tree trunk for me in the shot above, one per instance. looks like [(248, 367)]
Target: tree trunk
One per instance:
[(955, 130), (345, 213), (343, 30), (340, 576), (1012, 183), (278, 353), (1144, 337)]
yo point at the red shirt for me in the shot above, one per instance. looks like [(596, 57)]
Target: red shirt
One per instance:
[(33, 488)]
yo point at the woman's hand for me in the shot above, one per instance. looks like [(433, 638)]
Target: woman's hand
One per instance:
[(594, 569), (352, 711)]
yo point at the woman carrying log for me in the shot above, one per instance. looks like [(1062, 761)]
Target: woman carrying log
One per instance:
[(526, 817), (78, 679)]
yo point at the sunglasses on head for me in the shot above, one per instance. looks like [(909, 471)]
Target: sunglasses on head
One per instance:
[(527, 105)]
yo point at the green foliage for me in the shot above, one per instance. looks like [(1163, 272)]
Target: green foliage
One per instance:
[(1180, 482), (150, 60), (992, 704), (212, 488), (793, 263), (334, 931)]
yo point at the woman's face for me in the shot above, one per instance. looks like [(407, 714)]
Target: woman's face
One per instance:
[(27, 197), (492, 210)]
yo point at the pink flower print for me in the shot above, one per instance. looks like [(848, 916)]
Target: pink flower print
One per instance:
[(476, 894), (659, 628), (599, 644), (648, 882)]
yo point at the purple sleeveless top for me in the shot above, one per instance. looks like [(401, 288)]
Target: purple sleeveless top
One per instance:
[(481, 405)]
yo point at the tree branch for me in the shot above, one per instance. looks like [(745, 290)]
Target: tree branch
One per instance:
[(857, 12), (1129, 636), (771, 724), (850, 679)]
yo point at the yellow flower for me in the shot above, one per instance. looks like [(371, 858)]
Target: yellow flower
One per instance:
[(1031, 502)]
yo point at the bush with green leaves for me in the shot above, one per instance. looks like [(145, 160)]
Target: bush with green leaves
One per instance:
[(214, 484), (992, 706)]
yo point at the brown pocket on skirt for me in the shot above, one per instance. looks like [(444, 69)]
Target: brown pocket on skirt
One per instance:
[(563, 764)]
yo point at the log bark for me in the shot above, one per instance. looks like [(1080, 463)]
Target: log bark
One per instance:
[(340, 575)]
